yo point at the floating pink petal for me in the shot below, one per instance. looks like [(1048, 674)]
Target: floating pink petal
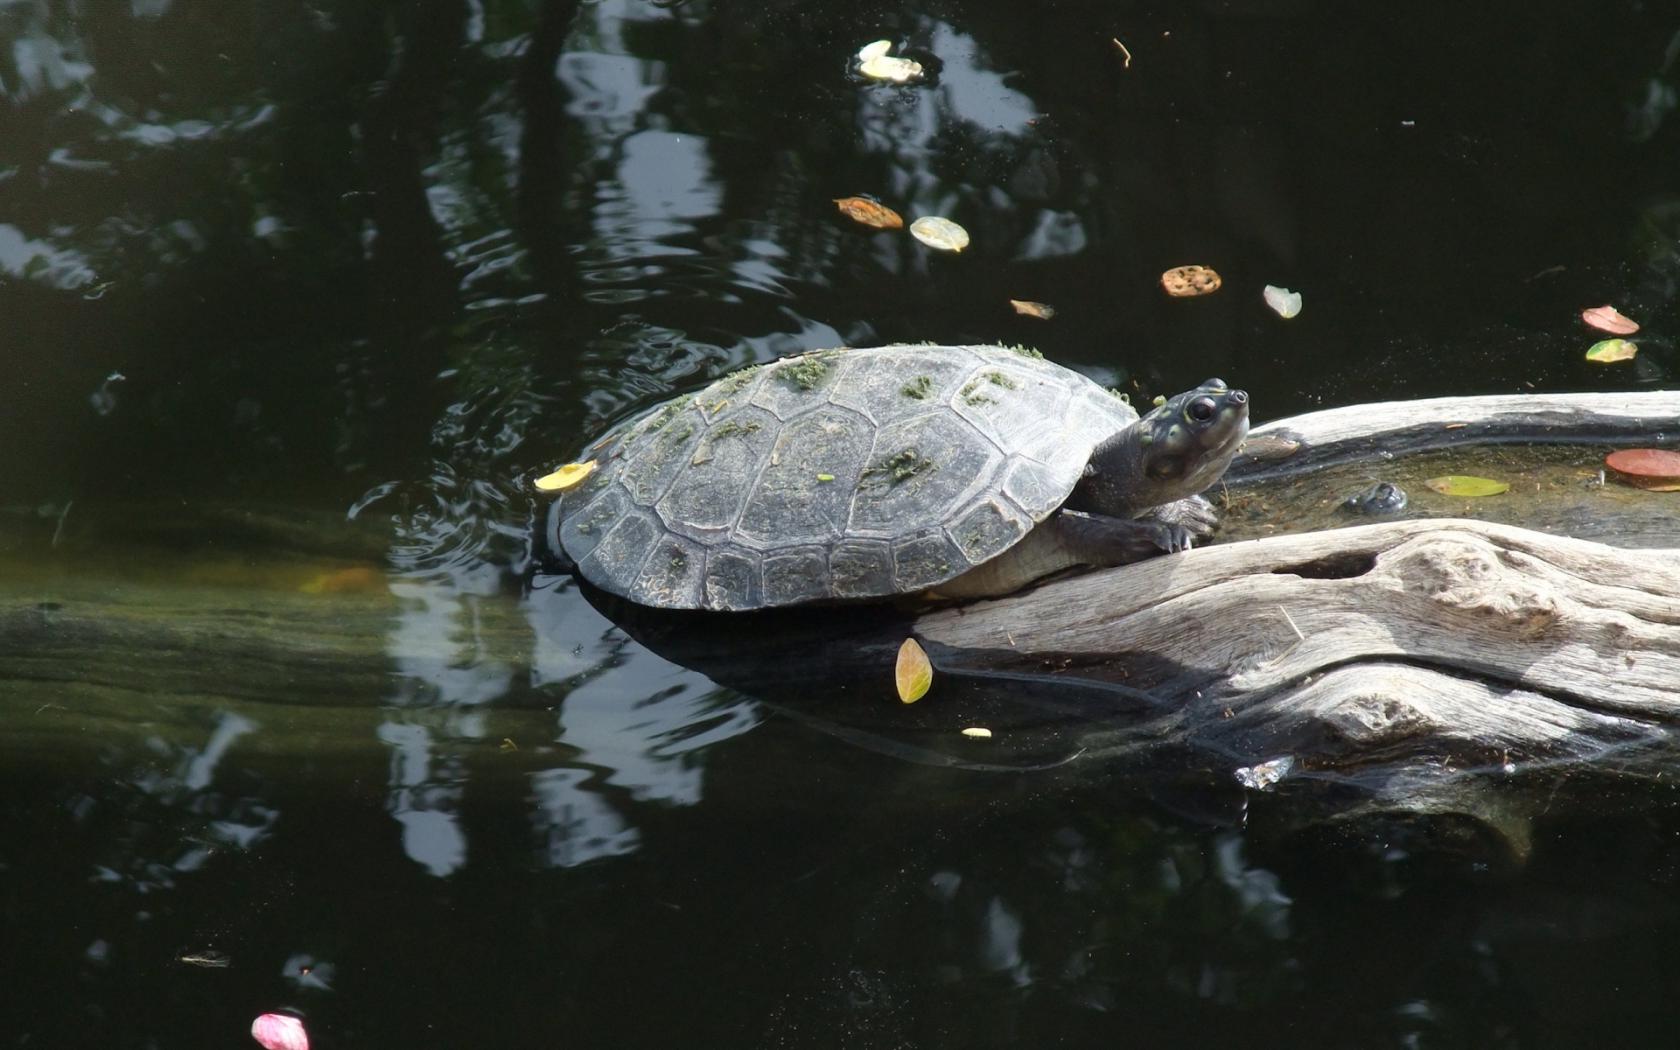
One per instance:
[(1609, 319), (280, 1032)]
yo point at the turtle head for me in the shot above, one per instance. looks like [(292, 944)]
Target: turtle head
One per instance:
[(1179, 449)]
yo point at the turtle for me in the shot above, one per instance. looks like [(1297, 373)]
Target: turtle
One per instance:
[(854, 474)]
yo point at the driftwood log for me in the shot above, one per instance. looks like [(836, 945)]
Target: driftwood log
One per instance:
[(1467, 672)]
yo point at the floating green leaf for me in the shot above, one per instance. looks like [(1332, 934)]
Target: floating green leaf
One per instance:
[(914, 673), (1609, 351), (1466, 485)]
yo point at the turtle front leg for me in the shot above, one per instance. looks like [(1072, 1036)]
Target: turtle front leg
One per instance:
[(1097, 539), (1193, 514)]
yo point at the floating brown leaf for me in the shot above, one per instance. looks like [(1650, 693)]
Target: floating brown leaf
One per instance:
[(914, 673), (1657, 469), (1609, 319), (1183, 282), (869, 213), (1028, 308)]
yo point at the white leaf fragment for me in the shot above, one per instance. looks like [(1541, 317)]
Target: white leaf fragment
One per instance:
[(1285, 302), (887, 67), (874, 50), (936, 232), (1263, 776)]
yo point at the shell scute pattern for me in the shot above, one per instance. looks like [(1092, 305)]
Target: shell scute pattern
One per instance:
[(836, 474), (921, 470), (705, 499), (804, 491)]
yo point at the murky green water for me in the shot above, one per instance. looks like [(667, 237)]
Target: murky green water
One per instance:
[(296, 298)]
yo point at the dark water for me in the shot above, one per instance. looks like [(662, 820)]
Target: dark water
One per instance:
[(296, 298)]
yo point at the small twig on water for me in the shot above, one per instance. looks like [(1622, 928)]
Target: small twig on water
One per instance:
[(1127, 64)]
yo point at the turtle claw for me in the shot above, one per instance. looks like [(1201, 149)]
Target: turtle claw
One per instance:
[(1193, 517), (1175, 537)]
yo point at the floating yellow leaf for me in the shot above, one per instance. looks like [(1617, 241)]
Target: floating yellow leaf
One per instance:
[(1028, 308), (1285, 302), (869, 213), (507, 744), (566, 478), (936, 232), (914, 674), (978, 732), (1182, 282), (1609, 319), (1609, 351), (1466, 485)]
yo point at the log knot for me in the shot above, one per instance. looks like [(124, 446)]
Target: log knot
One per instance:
[(1467, 575)]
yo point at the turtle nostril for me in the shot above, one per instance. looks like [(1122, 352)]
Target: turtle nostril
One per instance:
[(1239, 397)]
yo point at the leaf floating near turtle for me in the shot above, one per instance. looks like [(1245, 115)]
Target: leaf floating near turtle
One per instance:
[(1028, 308), (1187, 282), (1609, 319), (566, 478), (1610, 351), (1467, 485), (851, 475), (913, 673), (869, 213), (1656, 469), (940, 233)]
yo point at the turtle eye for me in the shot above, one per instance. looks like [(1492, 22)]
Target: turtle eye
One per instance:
[(1201, 410)]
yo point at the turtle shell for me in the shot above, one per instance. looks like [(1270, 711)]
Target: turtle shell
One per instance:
[(835, 475)]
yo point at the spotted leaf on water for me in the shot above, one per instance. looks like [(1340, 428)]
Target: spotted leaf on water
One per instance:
[(1609, 319), (1609, 351), (869, 213), (1657, 469), (1466, 485), (566, 478), (1186, 282), (914, 673), (941, 233)]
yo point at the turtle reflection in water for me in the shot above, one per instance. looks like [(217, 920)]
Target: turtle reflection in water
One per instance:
[(839, 475)]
